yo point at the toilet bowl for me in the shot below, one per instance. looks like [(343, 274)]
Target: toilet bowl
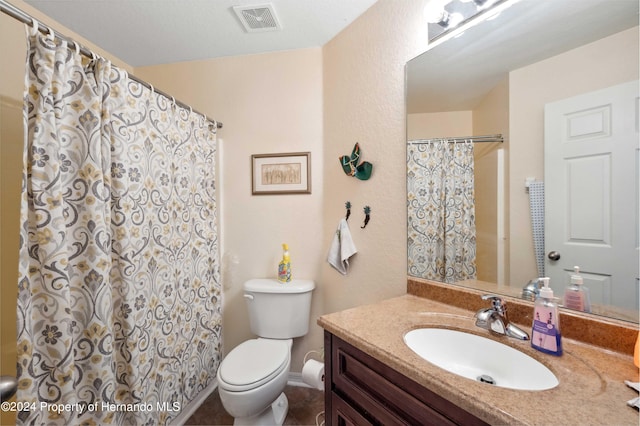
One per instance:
[(252, 377)]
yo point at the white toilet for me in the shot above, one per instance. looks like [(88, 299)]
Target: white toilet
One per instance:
[(252, 377)]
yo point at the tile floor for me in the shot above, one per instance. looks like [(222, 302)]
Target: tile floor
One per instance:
[(304, 405)]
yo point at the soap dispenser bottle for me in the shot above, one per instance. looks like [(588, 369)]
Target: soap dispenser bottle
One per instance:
[(545, 333), (576, 296), (284, 267)]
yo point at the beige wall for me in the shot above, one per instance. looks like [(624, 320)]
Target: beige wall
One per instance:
[(578, 71), (439, 124), (11, 135), (12, 59), (364, 102), (490, 117)]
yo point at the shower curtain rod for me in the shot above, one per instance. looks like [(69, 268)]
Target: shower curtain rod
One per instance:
[(25, 18), (460, 139)]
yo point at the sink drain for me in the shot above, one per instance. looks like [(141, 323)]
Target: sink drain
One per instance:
[(485, 378)]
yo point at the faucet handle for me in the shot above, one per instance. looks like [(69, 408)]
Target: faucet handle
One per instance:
[(491, 297), (496, 301)]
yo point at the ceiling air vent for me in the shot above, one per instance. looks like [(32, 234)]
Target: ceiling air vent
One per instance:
[(258, 18)]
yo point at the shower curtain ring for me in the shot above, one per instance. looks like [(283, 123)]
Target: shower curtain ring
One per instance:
[(151, 87), (77, 47), (51, 35), (35, 25)]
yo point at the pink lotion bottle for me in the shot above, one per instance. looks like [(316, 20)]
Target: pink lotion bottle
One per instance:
[(545, 332)]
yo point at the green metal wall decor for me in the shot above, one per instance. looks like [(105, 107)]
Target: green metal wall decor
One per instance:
[(351, 167)]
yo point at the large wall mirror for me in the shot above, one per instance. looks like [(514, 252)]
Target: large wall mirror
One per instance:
[(558, 80)]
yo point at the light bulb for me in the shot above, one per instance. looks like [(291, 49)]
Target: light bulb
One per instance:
[(435, 13), (454, 20), (481, 4), (484, 4)]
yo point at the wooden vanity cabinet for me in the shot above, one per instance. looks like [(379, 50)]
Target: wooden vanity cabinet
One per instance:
[(360, 390)]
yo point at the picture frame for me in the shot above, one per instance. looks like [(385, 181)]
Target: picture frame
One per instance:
[(286, 173)]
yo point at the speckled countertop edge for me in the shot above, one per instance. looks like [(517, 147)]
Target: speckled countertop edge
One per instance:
[(591, 389)]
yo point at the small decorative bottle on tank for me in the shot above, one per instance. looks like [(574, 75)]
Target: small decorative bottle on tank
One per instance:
[(284, 268)]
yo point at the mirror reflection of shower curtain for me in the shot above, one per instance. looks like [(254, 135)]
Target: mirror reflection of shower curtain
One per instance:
[(119, 289), (441, 210)]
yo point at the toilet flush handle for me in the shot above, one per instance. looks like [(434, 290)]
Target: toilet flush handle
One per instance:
[(248, 296)]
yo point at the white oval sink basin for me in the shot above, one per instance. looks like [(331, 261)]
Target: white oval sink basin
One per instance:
[(481, 359)]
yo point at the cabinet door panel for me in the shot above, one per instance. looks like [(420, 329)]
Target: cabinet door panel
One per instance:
[(381, 395), (345, 415), (386, 401)]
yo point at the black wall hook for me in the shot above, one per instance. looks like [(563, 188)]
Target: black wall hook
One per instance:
[(367, 216)]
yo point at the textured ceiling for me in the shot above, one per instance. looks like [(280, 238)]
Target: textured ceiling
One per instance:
[(151, 32)]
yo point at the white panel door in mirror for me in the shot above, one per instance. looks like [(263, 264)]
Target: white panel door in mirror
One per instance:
[(592, 139)]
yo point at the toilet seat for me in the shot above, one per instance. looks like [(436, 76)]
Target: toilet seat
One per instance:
[(253, 363)]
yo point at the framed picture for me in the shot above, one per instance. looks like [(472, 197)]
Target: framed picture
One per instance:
[(288, 173)]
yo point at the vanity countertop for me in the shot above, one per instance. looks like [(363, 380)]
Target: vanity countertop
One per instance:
[(591, 389)]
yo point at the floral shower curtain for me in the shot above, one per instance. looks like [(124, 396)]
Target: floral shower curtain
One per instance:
[(441, 212), (119, 318)]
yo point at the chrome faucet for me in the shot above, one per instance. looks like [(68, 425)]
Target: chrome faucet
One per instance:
[(495, 319)]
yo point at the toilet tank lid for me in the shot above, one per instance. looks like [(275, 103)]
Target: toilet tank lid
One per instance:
[(271, 285)]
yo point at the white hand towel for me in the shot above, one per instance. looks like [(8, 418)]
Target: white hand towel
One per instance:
[(342, 248)]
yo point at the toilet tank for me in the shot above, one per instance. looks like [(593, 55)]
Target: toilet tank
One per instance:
[(278, 310)]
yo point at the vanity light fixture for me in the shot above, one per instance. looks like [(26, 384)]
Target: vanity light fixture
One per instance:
[(481, 4), (435, 13), (433, 16), (444, 16)]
